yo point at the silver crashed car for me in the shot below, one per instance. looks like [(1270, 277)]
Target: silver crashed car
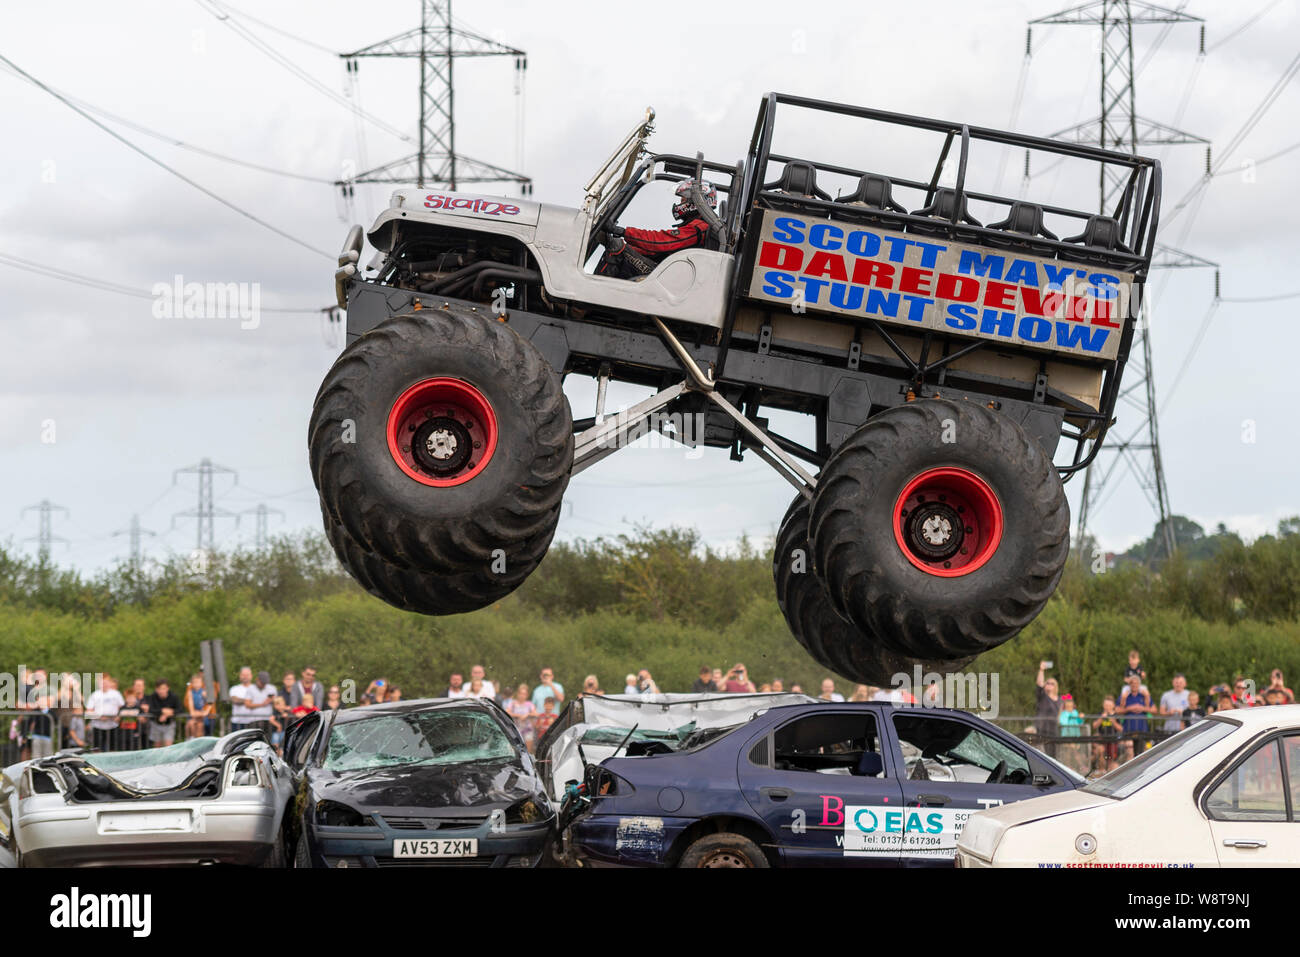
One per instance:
[(207, 800)]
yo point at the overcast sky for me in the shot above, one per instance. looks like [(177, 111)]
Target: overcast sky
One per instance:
[(131, 397)]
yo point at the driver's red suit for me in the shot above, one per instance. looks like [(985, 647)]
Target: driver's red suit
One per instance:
[(660, 242)]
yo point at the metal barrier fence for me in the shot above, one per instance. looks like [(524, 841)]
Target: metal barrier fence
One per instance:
[(23, 733), (1086, 751)]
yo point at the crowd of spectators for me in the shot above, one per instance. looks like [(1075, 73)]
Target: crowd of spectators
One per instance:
[(129, 717), (1131, 720)]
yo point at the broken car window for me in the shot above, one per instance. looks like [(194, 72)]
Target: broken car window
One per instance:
[(832, 743), (940, 749), (428, 737)]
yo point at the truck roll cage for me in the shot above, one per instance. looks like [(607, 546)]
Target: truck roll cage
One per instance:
[(1123, 238)]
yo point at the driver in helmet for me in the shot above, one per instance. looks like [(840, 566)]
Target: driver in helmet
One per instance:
[(631, 253)]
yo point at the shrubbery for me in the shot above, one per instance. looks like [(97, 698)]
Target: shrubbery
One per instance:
[(654, 599)]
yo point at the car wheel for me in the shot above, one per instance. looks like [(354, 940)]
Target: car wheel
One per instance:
[(828, 638), (276, 858), (441, 442), (724, 850), (941, 527), (301, 856)]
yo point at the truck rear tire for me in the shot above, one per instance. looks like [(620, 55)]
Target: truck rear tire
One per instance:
[(441, 443), (941, 527), (828, 638)]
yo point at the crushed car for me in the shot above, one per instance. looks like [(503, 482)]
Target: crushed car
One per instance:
[(818, 784), (204, 801), (594, 727), (428, 782)]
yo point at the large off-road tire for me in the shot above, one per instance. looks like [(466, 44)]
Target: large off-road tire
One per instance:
[(941, 527), (829, 639), (428, 593), (441, 442), (723, 850)]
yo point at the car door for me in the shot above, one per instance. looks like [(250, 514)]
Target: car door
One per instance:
[(298, 738), (823, 784), (952, 766), (1252, 808)]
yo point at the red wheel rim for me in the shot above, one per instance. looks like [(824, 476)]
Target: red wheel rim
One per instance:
[(948, 522), (442, 432)]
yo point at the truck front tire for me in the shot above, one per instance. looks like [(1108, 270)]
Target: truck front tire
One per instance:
[(941, 527), (441, 443)]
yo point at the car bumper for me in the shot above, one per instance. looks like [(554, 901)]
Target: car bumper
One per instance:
[(236, 832), (518, 845)]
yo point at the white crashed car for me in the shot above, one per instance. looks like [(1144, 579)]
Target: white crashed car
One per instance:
[(1223, 793), (204, 801)]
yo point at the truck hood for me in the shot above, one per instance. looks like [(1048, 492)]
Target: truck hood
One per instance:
[(436, 204)]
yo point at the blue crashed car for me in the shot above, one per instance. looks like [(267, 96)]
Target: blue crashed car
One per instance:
[(854, 784)]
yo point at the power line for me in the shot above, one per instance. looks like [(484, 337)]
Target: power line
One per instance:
[(1204, 327), (1244, 26), (203, 151), (280, 30), (105, 285), (182, 144), (1191, 352), (53, 272), (1251, 122), (1261, 162), (261, 45), (157, 162), (1121, 126)]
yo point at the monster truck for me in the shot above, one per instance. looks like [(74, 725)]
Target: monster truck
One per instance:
[(940, 360)]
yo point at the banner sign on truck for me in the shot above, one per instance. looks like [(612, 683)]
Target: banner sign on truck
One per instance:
[(931, 283)]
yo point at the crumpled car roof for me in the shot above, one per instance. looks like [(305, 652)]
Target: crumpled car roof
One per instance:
[(151, 769), (173, 771), (660, 717)]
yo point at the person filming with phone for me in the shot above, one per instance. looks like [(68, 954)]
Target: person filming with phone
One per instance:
[(736, 681), (1048, 714)]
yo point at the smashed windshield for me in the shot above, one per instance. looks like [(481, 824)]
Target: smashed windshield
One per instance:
[(1161, 759), (448, 736)]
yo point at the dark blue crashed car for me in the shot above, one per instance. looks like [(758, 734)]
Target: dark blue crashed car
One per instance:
[(853, 784)]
